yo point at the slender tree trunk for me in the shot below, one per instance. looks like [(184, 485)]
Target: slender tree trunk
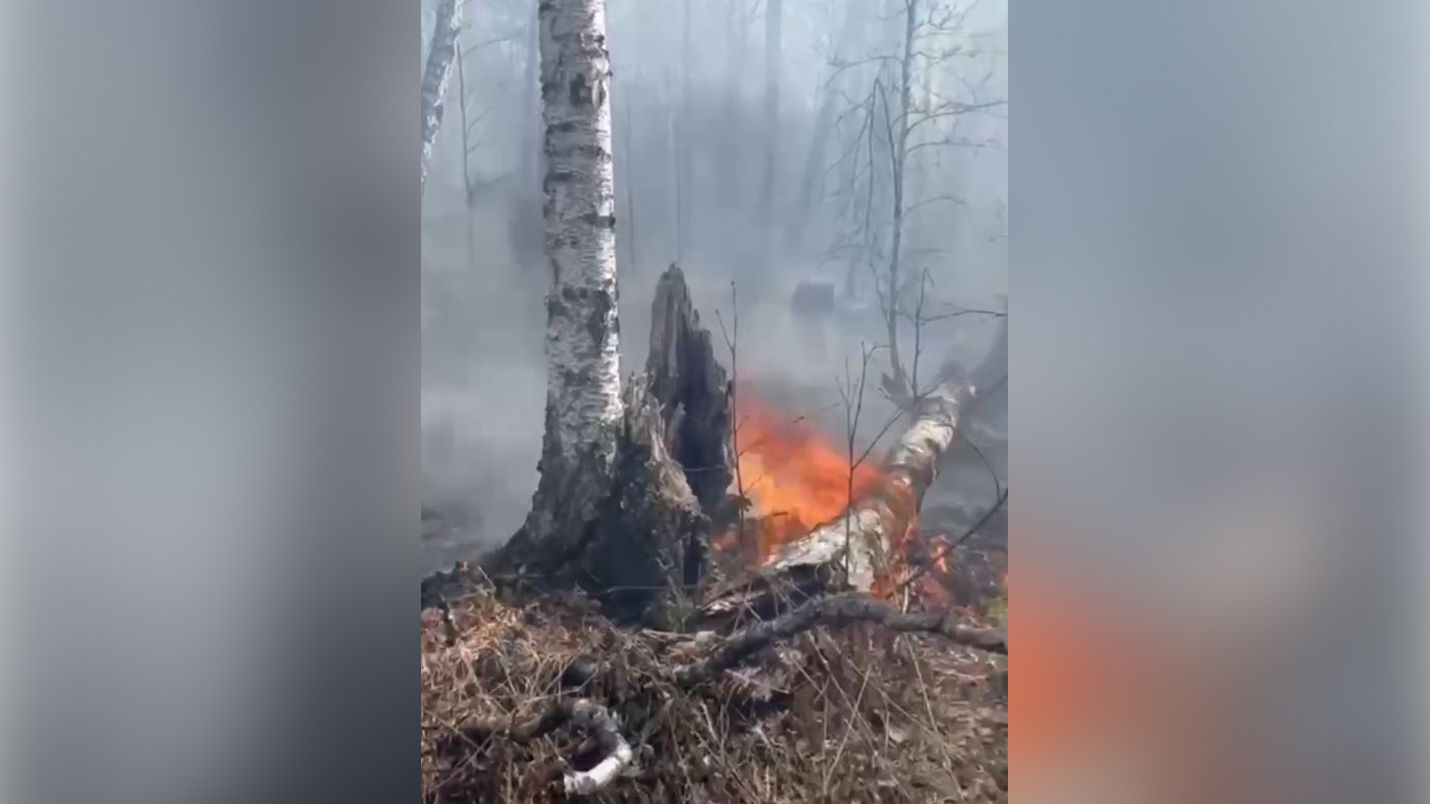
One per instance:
[(440, 55), (583, 385), (924, 171), (900, 158), (466, 166), (766, 206), (613, 510)]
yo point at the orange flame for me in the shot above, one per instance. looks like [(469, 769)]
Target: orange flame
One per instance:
[(934, 585), (796, 479), (793, 475)]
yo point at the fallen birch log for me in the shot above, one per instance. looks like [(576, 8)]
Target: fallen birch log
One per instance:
[(855, 546)]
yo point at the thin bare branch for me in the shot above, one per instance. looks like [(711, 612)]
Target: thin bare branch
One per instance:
[(948, 546), (837, 611)]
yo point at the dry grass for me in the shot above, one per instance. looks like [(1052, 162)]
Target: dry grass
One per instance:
[(860, 715)]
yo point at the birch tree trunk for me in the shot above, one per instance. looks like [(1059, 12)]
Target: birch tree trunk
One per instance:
[(435, 77), (583, 387), (466, 161), (613, 510)]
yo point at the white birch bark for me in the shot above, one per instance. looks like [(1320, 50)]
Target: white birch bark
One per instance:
[(583, 367), (437, 74), (583, 386)]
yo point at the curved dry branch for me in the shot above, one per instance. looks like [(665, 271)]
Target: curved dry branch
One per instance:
[(836, 611)]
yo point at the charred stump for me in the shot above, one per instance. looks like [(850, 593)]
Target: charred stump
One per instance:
[(691, 387), (641, 550)]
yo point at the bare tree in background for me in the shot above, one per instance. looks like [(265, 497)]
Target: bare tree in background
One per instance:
[(466, 159), (890, 126), (441, 53)]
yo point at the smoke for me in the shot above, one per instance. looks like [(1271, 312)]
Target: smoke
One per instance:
[(691, 140)]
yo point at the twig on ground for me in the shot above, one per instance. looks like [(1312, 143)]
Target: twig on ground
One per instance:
[(838, 610)]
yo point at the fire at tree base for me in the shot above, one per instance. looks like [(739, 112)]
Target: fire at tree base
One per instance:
[(532, 692)]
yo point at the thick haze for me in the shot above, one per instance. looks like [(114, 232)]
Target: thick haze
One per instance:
[(691, 135)]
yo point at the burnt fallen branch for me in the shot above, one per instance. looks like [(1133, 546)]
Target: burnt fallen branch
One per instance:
[(576, 712), (836, 611)]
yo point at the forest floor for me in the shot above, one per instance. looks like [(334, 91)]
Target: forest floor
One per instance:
[(855, 714)]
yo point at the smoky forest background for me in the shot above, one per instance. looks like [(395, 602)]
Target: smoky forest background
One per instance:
[(714, 387), (853, 148)]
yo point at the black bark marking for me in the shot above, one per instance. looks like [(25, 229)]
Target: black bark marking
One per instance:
[(590, 151), (599, 322), (603, 221), (580, 95), (557, 176)]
